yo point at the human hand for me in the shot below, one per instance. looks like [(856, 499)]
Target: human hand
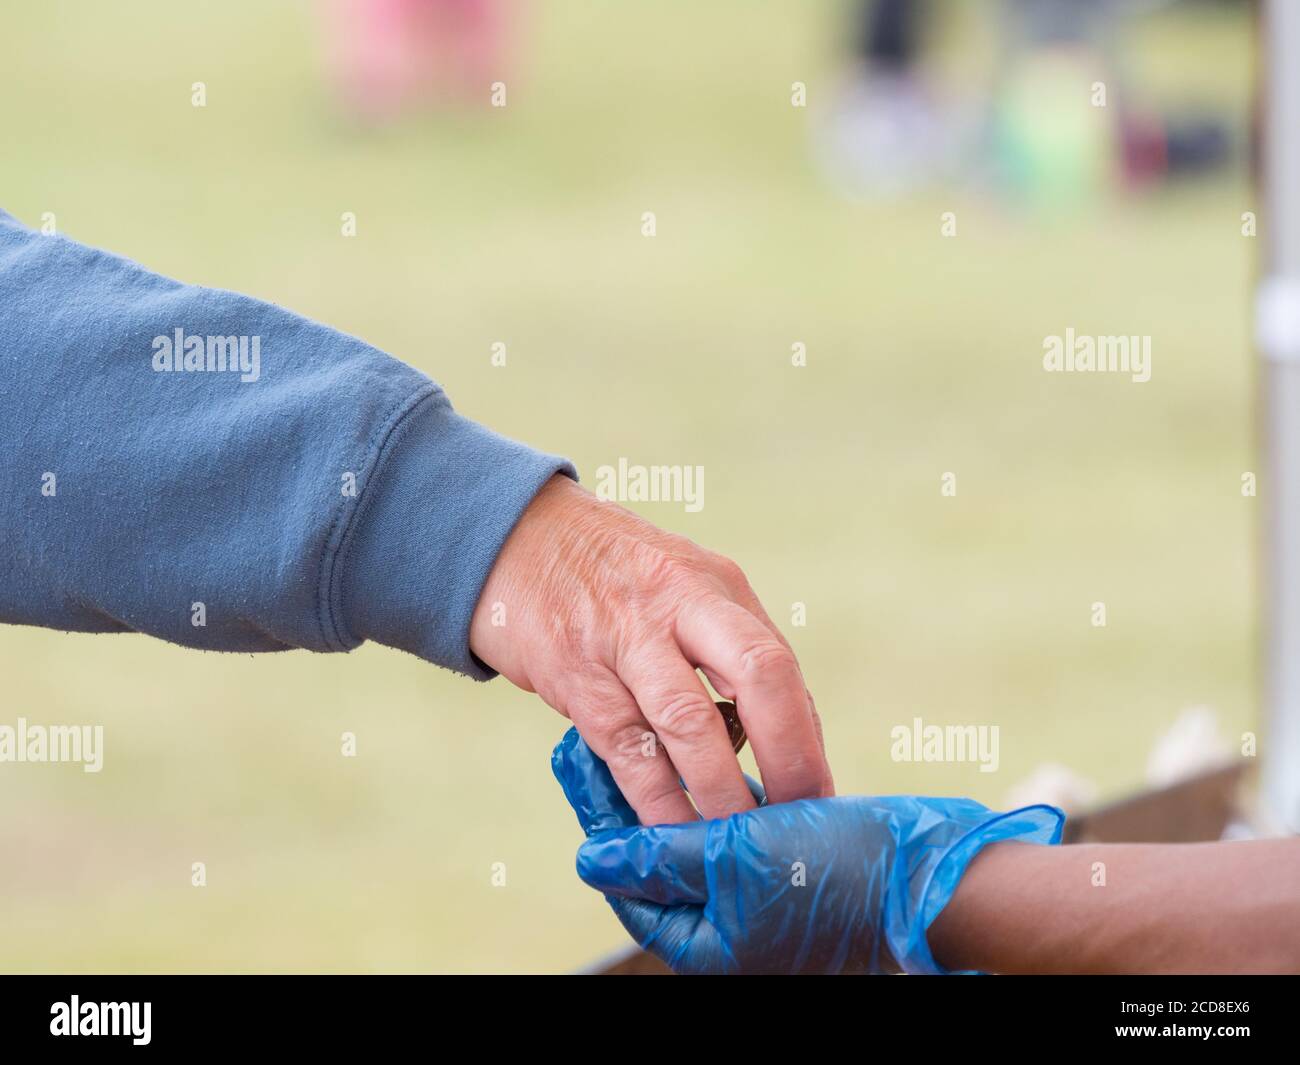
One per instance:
[(607, 617), (834, 885)]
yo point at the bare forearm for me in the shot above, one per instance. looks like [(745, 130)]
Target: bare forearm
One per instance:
[(1112, 908)]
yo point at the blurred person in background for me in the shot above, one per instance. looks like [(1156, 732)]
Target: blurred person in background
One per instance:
[(893, 127), (390, 56)]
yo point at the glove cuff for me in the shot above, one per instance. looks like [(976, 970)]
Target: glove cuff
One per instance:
[(939, 870)]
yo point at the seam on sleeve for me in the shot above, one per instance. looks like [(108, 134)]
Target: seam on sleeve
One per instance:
[(329, 591)]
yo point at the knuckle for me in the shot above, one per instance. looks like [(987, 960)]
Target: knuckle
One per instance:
[(686, 716), (656, 579), (657, 793), (633, 743), (581, 695), (644, 774), (665, 569), (729, 571), (765, 659), (671, 556)]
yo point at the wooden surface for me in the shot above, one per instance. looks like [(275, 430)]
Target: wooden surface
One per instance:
[(1193, 811)]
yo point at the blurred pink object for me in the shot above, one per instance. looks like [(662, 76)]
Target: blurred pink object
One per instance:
[(389, 55)]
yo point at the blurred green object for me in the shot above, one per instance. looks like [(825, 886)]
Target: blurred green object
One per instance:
[(1055, 148)]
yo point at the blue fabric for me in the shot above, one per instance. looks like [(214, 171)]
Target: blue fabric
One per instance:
[(841, 885), (229, 487)]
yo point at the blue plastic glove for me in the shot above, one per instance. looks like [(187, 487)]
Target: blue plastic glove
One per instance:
[(840, 885)]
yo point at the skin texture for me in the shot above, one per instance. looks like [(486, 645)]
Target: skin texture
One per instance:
[(1165, 908), (607, 618)]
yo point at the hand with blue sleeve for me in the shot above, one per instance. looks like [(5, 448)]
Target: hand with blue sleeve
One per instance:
[(834, 885), (216, 471)]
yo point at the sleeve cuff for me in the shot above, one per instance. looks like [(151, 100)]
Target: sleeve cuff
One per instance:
[(442, 498)]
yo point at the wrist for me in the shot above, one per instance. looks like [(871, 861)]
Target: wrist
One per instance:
[(941, 856), (531, 547), (959, 936)]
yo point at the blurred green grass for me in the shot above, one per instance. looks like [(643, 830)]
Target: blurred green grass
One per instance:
[(523, 226)]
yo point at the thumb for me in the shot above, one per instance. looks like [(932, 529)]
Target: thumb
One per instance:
[(663, 864), (589, 786), (670, 933), (665, 931)]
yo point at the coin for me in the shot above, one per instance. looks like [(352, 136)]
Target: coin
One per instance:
[(735, 729)]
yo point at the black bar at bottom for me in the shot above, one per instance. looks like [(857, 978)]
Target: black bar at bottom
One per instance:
[(919, 1014)]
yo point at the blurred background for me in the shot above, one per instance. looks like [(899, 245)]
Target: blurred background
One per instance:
[(775, 224)]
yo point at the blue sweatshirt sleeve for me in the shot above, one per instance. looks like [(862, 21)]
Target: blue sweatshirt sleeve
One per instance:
[(218, 472)]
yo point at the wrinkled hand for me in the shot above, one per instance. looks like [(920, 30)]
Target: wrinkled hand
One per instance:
[(607, 618), (838, 885)]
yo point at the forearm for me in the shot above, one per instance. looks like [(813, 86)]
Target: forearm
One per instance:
[(1112, 908), (218, 472)]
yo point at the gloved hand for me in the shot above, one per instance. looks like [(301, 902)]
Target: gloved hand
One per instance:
[(839, 885)]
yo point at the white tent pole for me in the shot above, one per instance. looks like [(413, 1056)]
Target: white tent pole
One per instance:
[(1278, 338)]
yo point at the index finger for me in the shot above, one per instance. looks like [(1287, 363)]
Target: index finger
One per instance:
[(724, 638), (686, 720), (745, 597)]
